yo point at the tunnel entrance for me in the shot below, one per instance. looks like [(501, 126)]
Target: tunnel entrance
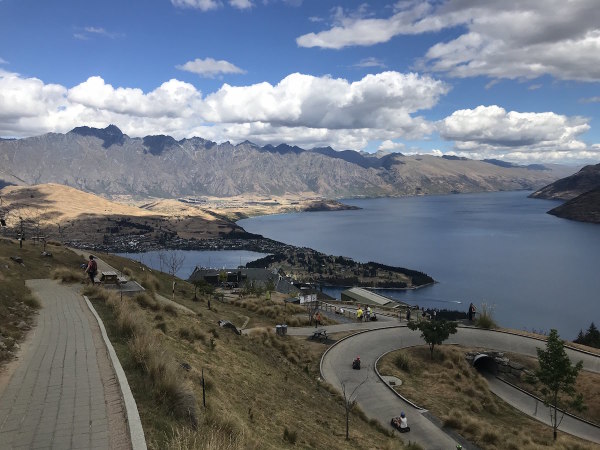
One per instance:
[(485, 364)]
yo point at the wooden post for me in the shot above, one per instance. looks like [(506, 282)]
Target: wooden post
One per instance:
[(203, 390)]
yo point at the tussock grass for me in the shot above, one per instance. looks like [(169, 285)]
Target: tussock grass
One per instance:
[(170, 309), (273, 377), (485, 319), (149, 282), (212, 437), (66, 275), (31, 301), (146, 301)]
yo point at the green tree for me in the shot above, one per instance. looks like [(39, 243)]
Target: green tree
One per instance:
[(270, 287), (434, 332), (557, 376), (222, 276)]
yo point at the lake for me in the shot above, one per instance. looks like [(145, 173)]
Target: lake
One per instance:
[(216, 259), (538, 271)]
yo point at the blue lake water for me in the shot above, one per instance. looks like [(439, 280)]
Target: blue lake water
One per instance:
[(205, 258), (538, 271)]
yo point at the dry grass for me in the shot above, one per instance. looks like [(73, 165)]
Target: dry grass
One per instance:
[(66, 275), (146, 301), (255, 385), (456, 393)]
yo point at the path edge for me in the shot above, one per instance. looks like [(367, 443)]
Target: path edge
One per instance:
[(134, 423)]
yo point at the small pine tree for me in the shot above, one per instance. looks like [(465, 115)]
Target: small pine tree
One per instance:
[(558, 376)]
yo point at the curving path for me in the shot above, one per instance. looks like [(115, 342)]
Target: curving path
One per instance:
[(378, 402)]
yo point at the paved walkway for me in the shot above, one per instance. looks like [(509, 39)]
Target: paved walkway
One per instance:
[(63, 392), (377, 400)]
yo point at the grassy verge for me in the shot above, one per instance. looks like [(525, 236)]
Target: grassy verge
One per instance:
[(456, 393), (262, 390)]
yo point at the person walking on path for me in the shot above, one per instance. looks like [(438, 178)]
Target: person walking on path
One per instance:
[(359, 314), (471, 312), (92, 269), (318, 319)]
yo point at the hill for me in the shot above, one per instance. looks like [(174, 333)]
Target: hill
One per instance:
[(70, 215), (572, 186), (583, 208), (110, 163)]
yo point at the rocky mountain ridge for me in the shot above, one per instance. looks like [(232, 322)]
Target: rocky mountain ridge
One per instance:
[(581, 192), (572, 186), (110, 163)]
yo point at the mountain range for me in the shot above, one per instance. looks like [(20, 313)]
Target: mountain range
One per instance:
[(581, 192), (110, 163)]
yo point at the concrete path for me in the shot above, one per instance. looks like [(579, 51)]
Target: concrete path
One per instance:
[(63, 393), (379, 402)]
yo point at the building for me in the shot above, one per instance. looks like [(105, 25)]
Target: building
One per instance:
[(366, 297), (239, 277)]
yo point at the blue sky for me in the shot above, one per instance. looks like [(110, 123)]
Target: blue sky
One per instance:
[(517, 80)]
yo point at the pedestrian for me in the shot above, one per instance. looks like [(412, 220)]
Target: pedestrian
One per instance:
[(92, 269), (368, 313), (408, 314), (359, 314), (317, 319), (434, 314), (471, 312)]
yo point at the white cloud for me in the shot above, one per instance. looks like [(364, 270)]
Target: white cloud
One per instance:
[(315, 19), (534, 87), (300, 109), (202, 5), (590, 100), (382, 101), (241, 4), (87, 33), (3, 61), (508, 39), (370, 62), (391, 145), (491, 131), (209, 67)]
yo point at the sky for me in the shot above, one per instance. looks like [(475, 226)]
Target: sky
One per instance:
[(517, 80)]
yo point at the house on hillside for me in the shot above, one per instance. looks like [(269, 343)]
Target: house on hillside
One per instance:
[(239, 277)]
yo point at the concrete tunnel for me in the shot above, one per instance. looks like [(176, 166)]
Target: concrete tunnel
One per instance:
[(485, 364)]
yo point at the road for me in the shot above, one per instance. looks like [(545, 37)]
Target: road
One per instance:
[(379, 402)]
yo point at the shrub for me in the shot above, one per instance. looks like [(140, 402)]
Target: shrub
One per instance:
[(162, 326), (489, 437), (66, 275), (152, 359), (32, 301), (127, 271), (402, 362), (150, 283), (453, 422), (290, 436), (146, 301), (170, 309), (485, 319)]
